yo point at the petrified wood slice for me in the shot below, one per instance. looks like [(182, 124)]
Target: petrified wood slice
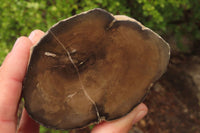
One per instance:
[(91, 67)]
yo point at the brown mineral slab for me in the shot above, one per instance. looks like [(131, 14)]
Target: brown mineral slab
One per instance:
[(92, 67)]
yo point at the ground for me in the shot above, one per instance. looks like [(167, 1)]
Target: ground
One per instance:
[(174, 100)]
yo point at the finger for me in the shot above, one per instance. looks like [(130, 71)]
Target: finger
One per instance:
[(27, 125), (124, 124), (12, 73), (35, 36)]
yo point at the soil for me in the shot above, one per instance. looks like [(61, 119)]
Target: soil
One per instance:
[(174, 101)]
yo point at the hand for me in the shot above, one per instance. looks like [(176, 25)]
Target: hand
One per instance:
[(12, 73)]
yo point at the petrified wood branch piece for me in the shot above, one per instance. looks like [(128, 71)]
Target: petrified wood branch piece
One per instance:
[(92, 67)]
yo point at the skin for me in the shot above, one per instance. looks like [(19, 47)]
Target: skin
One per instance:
[(12, 73)]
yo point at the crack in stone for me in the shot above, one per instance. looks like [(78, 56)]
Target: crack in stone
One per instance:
[(77, 70), (70, 96)]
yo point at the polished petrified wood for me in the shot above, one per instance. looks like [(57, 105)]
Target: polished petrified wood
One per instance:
[(92, 67)]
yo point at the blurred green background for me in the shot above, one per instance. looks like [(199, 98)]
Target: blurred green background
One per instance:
[(172, 18), (177, 21)]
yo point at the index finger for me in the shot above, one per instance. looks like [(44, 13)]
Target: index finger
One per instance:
[(12, 73)]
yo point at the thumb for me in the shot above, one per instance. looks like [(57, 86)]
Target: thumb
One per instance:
[(124, 124)]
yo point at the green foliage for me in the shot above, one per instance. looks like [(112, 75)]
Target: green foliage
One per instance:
[(20, 17), (179, 17), (46, 130), (4, 49)]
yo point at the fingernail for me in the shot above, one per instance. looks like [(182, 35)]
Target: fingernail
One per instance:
[(16, 43), (139, 116), (32, 35)]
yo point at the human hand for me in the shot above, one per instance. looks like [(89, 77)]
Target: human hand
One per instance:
[(12, 73)]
